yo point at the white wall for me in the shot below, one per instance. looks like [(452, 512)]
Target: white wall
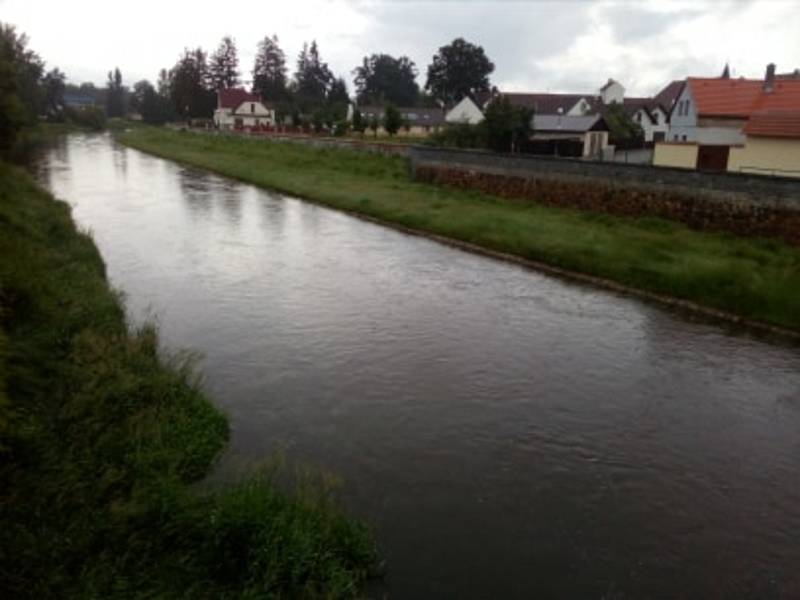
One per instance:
[(688, 128), (581, 108), (465, 111), (613, 93), (225, 118)]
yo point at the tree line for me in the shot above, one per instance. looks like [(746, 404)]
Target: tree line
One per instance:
[(188, 89)]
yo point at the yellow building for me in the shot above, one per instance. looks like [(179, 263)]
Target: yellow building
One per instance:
[(735, 125), (772, 146)]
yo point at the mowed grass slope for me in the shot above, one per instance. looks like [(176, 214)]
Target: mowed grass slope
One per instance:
[(756, 279), (101, 439)]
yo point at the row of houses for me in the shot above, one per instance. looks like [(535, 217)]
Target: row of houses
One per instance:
[(715, 124), (737, 125)]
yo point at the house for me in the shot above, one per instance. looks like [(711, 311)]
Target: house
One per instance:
[(417, 121), (583, 136), (466, 111), (612, 93), (742, 125), (237, 108), (571, 105), (649, 113)]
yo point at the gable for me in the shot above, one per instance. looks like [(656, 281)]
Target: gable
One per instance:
[(252, 107)]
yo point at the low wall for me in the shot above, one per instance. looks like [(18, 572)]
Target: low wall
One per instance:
[(375, 147), (750, 205)]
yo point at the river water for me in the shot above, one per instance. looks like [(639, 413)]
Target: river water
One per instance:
[(507, 434)]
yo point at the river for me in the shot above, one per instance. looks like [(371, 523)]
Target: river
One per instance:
[(506, 433)]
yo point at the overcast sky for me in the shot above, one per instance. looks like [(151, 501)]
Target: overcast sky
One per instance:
[(571, 45)]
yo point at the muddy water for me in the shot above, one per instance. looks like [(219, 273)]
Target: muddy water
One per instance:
[(508, 434)]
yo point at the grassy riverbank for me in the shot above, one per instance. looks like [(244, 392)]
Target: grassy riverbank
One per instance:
[(756, 279), (101, 439)]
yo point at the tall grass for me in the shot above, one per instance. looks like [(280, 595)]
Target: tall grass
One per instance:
[(101, 439), (757, 279)]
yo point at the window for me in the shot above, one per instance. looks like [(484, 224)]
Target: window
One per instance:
[(655, 118), (675, 137), (683, 138), (252, 107)]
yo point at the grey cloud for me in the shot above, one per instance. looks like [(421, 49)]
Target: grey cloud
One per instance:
[(515, 35)]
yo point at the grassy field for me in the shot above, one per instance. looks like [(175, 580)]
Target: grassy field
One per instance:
[(102, 438), (756, 279)]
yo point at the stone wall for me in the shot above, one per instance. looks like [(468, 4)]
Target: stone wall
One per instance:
[(750, 205)]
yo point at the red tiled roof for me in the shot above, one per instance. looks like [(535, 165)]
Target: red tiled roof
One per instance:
[(742, 97), (774, 123), (233, 97)]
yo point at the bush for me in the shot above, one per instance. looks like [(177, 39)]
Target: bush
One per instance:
[(90, 117), (459, 135)]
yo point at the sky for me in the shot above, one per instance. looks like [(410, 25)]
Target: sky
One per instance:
[(536, 45)]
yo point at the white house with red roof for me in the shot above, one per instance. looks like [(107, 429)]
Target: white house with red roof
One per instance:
[(741, 125), (238, 109)]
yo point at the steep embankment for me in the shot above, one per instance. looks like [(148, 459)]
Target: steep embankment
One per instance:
[(745, 278), (100, 439)]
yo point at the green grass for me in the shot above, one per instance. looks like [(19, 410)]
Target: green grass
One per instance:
[(102, 439), (756, 279)]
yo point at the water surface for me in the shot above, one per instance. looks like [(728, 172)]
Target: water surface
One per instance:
[(508, 434)]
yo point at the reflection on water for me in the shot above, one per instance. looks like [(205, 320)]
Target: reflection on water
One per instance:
[(508, 434)]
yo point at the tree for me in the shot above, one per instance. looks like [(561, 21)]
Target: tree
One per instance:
[(459, 69), (190, 89), (223, 65), (505, 125), (22, 75), (383, 78), (359, 125), (269, 71), (53, 86), (12, 111), (624, 132), (373, 125), (115, 95), (338, 99), (392, 119), (149, 103), (313, 78)]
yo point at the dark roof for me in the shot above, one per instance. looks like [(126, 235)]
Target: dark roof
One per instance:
[(565, 124), (632, 105), (608, 84), (414, 115), (792, 75), (233, 97), (669, 95), (549, 104)]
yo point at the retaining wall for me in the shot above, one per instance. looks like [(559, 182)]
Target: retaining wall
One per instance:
[(744, 204)]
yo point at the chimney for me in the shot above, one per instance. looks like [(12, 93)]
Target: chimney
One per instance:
[(769, 78)]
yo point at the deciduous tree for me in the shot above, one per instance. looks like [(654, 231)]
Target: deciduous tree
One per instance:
[(392, 119), (22, 73), (383, 78), (190, 90), (53, 86), (506, 126), (458, 69)]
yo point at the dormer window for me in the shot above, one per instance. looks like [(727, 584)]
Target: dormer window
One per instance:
[(252, 107)]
